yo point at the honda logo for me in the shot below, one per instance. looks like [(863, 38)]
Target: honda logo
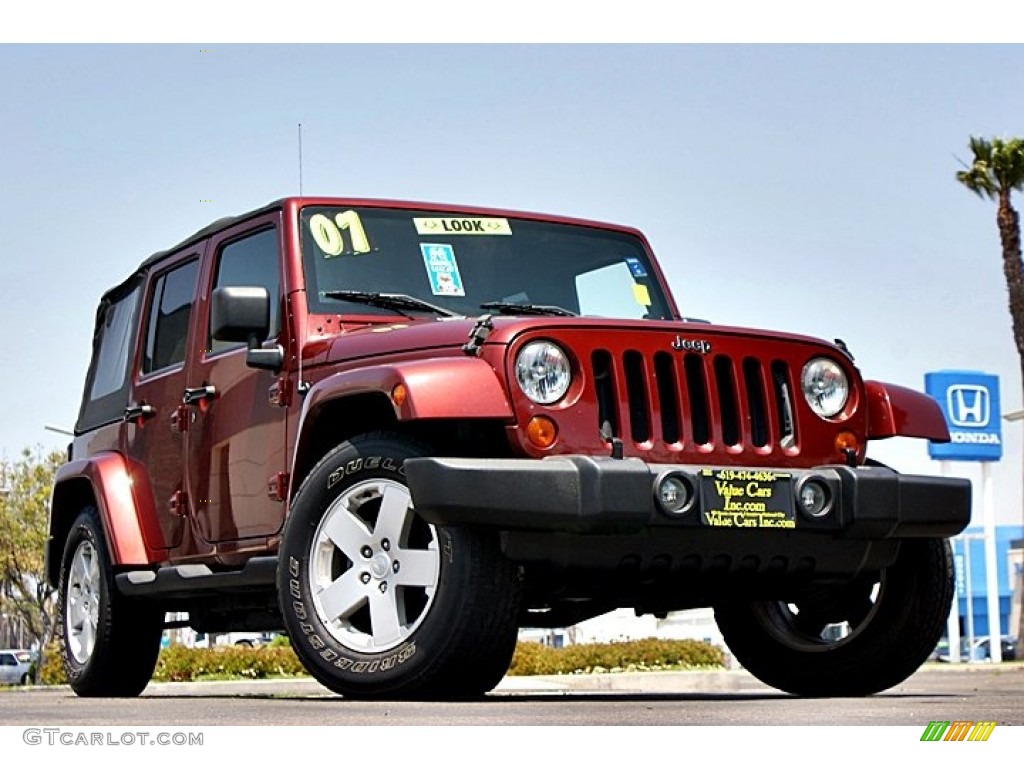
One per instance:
[(968, 405)]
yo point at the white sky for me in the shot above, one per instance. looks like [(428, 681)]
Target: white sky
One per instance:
[(803, 188)]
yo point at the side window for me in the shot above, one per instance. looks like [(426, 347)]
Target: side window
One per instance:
[(114, 338), (113, 343), (250, 261), (167, 322)]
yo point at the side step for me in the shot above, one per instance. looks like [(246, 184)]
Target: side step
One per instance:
[(184, 580)]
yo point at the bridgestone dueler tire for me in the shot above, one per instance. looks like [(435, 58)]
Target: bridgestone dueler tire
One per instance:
[(886, 647), (448, 631), (108, 643)]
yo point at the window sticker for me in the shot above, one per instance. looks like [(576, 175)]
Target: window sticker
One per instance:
[(635, 267), (449, 225), (442, 269), (641, 294), (330, 238)]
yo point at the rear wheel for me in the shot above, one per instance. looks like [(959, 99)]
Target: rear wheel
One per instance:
[(854, 640), (109, 644), (378, 602)]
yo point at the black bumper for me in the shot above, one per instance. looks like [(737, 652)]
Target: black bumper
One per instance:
[(583, 494)]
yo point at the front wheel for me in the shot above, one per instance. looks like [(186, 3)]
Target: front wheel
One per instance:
[(378, 602), (854, 640)]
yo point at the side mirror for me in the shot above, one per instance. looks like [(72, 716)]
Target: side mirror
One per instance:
[(238, 313), (242, 313)]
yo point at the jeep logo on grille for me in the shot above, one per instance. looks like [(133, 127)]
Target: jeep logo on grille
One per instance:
[(691, 345)]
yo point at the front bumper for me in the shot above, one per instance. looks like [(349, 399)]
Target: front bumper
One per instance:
[(585, 494)]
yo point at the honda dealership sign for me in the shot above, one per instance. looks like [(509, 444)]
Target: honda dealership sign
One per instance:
[(970, 402)]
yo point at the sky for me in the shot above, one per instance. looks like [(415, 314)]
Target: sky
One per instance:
[(807, 189)]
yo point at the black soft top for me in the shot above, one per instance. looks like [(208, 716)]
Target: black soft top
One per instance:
[(210, 229)]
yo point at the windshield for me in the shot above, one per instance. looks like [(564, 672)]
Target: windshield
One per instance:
[(460, 262)]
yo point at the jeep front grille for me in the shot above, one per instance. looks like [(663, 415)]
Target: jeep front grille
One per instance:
[(694, 400)]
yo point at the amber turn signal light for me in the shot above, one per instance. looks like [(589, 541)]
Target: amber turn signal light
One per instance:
[(399, 394), (847, 441), (541, 432), (848, 447)]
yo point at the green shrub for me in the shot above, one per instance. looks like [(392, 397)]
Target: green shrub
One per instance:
[(181, 664), (52, 671), (630, 655), (178, 663)]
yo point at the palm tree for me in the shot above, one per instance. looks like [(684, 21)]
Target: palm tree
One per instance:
[(997, 170)]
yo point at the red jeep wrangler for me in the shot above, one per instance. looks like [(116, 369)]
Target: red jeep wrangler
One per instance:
[(401, 431)]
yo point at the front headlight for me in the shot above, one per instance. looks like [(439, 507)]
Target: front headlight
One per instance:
[(825, 386), (543, 372)]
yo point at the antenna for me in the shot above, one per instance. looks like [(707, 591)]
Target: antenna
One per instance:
[(301, 387)]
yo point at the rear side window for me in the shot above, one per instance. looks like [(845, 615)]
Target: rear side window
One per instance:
[(167, 322), (115, 329), (106, 384)]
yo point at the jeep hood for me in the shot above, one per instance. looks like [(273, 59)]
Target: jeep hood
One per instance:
[(427, 336)]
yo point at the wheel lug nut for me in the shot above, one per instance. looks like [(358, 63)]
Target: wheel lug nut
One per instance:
[(385, 545), (383, 586), (366, 552), (364, 577), (395, 566)]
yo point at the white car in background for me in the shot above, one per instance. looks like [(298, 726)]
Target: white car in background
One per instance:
[(14, 667)]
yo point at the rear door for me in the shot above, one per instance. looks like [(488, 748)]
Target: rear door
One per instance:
[(236, 445), (157, 437)]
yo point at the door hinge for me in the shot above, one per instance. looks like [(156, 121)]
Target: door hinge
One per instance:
[(178, 504), (180, 417), (277, 486), (280, 392)]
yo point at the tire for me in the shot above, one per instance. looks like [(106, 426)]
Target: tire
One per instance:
[(381, 604), (893, 621), (108, 643), (26, 679)]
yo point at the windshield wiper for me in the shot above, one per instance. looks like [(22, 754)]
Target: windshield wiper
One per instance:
[(509, 308), (399, 301)]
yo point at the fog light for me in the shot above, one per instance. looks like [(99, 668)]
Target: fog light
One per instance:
[(674, 494), (541, 431), (814, 498)]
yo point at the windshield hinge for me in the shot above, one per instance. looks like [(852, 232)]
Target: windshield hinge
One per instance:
[(478, 335)]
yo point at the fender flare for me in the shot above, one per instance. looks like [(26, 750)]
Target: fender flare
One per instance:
[(895, 411), (119, 489), (438, 388)]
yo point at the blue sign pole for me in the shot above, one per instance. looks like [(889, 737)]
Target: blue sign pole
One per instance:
[(970, 403)]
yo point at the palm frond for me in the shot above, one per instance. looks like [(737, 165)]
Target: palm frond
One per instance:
[(998, 166)]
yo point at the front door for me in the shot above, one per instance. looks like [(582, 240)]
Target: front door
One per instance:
[(236, 447)]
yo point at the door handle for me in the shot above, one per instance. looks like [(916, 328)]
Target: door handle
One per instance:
[(139, 413), (195, 395)]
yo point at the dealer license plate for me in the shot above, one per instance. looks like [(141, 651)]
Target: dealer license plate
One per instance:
[(747, 498)]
